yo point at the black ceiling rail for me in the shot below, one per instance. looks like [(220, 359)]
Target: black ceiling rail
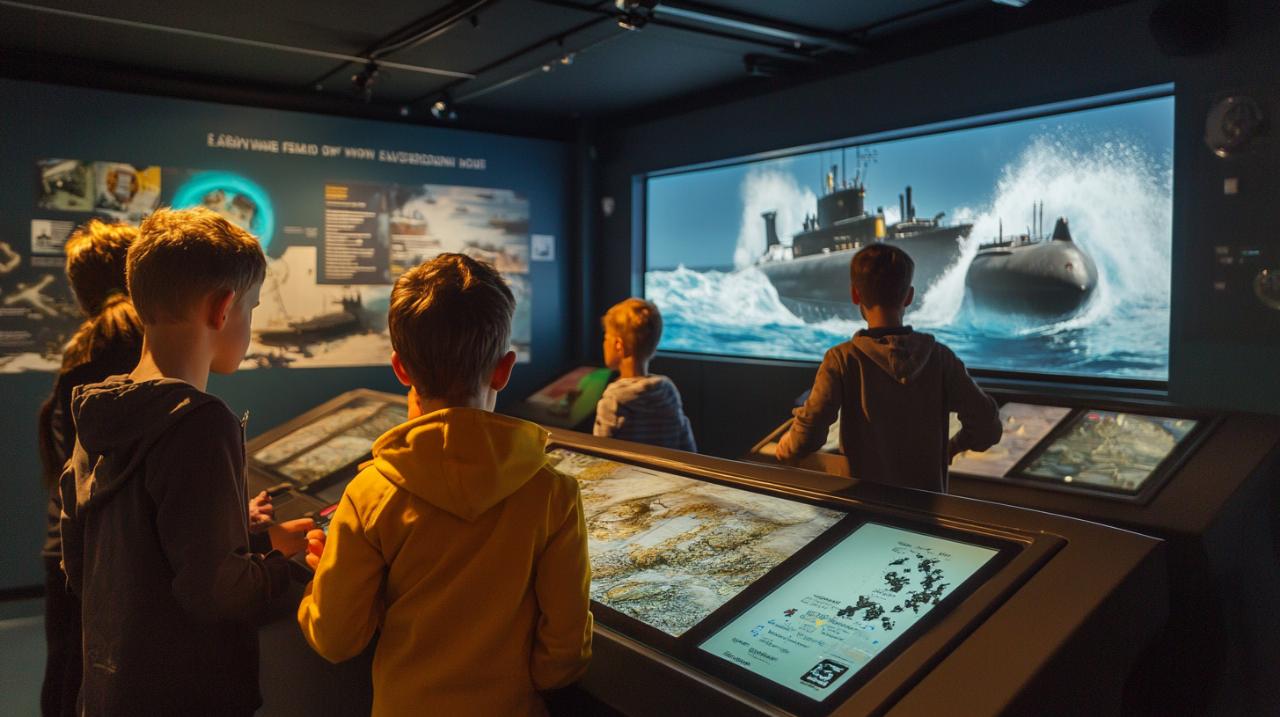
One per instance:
[(798, 36), (558, 39), (415, 33), (730, 25)]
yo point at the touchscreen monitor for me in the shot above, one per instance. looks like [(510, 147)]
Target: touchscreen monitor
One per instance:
[(668, 550), (332, 442), (1110, 450), (1025, 425), (816, 630), (303, 438)]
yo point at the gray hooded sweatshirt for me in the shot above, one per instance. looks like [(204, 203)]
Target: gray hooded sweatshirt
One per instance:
[(156, 544), (892, 390), (644, 409)]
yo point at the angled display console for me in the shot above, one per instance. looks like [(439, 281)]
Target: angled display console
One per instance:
[(307, 462), (746, 589), (1201, 481), (1118, 452)]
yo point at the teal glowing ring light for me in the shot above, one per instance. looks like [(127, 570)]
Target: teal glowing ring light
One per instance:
[(193, 192)]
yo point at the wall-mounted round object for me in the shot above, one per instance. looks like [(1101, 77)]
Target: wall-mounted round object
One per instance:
[(1233, 122), (1266, 286)]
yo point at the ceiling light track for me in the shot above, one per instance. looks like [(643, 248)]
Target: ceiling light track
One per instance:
[(245, 42)]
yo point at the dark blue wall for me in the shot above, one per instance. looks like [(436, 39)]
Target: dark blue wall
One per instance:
[(49, 121), (1221, 357)]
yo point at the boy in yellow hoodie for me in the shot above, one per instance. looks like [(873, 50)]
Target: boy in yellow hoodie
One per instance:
[(457, 541)]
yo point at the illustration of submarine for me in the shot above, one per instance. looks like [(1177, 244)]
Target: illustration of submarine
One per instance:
[(812, 275), (299, 335), (1031, 274)]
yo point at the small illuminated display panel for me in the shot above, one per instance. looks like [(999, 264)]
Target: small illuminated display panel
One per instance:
[(667, 550), (570, 399), (1109, 450), (819, 628), (322, 448), (1025, 425)]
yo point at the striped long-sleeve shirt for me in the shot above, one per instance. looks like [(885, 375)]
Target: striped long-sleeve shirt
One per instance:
[(644, 409)]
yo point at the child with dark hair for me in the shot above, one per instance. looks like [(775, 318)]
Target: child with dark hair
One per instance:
[(107, 343), (892, 388)]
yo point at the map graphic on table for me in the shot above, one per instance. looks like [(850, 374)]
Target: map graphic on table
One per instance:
[(668, 550), (1111, 450)]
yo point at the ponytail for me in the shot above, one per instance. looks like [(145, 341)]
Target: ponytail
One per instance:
[(115, 325)]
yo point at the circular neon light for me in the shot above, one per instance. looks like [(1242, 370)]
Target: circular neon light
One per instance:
[(193, 192)]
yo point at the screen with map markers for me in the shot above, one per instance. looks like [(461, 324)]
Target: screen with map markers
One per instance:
[(1110, 450), (817, 630)]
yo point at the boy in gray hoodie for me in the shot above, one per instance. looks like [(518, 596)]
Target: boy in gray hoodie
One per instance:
[(892, 389), (154, 524), (638, 406)]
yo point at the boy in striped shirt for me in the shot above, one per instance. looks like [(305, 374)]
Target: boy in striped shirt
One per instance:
[(638, 406)]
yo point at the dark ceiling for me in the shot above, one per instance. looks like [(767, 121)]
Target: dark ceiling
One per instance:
[(527, 66)]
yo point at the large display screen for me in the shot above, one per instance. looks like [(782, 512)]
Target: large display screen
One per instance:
[(1110, 450), (668, 550), (1041, 240), (815, 631), (332, 442), (1025, 425)]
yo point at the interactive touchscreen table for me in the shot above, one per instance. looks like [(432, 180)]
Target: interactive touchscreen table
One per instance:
[(307, 462), (778, 595), (728, 588), (1116, 454)]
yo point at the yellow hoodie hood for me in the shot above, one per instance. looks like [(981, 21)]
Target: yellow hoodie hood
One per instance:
[(467, 552), (461, 460)]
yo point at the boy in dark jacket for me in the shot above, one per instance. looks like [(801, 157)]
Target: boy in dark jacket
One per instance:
[(892, 389), (154, 526)]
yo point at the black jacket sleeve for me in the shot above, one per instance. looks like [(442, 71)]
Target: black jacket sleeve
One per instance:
[(195, 476), (71, 531)]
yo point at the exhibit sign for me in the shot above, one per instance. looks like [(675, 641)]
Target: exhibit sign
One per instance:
[(341, 207)]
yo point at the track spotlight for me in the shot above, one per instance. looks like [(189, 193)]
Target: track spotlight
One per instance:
[(635, 13), (633, 23), (442, 109), (363, 80)]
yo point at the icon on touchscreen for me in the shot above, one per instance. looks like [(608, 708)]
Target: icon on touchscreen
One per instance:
[(824, 673)]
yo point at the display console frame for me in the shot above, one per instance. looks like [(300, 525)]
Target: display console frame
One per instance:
[(1076, 103), (1009, 547)]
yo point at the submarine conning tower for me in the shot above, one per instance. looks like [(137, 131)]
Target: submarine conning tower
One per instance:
[(1061, 232), (770, 229)]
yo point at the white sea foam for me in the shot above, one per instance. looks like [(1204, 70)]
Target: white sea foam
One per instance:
[(768, 190)]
